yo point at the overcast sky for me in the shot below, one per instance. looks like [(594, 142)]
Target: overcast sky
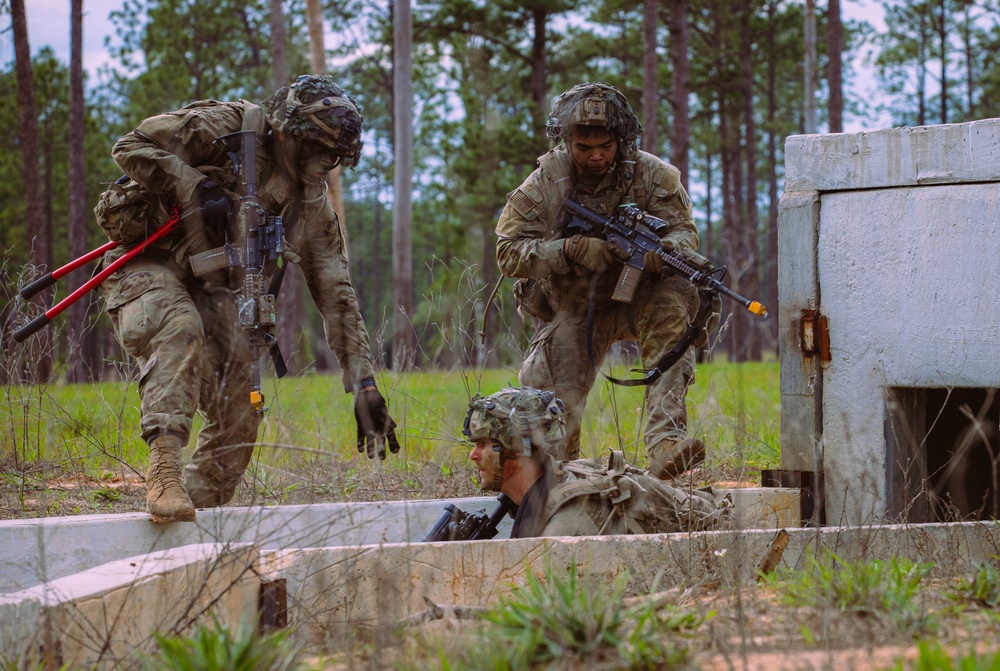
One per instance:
[(48, 24)]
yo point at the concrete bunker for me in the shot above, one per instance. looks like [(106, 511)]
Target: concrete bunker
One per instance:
[(889, 327)]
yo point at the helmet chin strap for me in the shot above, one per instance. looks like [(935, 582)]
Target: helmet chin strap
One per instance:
[(286, 151), (498, 471)]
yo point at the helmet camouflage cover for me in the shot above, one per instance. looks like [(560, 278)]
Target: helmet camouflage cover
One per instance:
[(520, 418), (315, 109), (594, 104)]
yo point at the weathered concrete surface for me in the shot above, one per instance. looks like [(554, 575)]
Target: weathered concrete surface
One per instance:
[(333, 591), (765, 508), (892, 235), (34, 551), (102, 616), (897, 157)]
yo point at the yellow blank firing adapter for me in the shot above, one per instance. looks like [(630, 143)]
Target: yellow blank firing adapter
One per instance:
[(758, 309)]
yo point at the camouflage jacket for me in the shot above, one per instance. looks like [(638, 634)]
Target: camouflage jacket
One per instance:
[(586, 498), (531, 221), (171, 153)]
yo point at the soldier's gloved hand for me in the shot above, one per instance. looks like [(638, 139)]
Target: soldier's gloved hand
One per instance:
[(653, 262), (375, 426), (592, 254), (213, 205)]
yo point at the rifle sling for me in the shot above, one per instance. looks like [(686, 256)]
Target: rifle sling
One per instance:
[(280, 367), (668, 359)]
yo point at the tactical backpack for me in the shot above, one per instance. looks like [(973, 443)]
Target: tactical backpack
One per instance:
[(128, 213), (647, 504)]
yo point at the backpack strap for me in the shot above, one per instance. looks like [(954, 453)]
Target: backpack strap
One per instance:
[(581, 478), (253, 117)]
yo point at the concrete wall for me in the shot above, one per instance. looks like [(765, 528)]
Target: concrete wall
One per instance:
[(893, 236), (38, 551), (333, 592), (103, 616)]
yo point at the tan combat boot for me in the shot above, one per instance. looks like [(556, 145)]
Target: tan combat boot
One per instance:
[(166, 499), (668, 460)]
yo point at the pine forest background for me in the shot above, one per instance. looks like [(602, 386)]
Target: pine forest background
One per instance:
[(718, 84)]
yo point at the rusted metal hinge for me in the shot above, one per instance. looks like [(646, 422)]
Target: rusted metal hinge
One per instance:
[(814, 335)]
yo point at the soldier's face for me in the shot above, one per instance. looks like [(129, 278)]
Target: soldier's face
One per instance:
[(593, 152), (486, 460), (315, 161)]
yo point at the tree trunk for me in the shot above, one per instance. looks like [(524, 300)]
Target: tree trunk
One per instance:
[(82, 344), (809, 104), (680, 87), (751, 278), (922, 70), (942, 29), (291, 300), (38, 232), (969, 77), (650, 96), (539, 81), (834, 69), (404, 341), (771, 254)]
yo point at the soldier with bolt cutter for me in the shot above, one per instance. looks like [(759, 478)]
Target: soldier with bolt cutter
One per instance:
[(186, 308)]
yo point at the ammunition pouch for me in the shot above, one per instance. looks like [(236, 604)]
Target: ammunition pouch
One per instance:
[(532, 298)]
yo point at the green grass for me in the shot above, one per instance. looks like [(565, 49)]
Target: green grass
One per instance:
[(880, 589), (218, 648), (733, 407), (565, 620)]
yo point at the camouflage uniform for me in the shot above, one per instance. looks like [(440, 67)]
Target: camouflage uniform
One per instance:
[(663, 308), (183, 330), (579, 497)]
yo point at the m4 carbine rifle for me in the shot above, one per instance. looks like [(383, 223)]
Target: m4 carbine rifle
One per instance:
[(258, 237), (457, 525), (637, 232)]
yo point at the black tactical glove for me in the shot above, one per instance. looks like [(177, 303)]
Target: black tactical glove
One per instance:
[(375, 426), (213, 205), (592, 254)]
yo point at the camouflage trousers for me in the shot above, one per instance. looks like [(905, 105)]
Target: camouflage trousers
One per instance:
[(192, 356), (658, 317)]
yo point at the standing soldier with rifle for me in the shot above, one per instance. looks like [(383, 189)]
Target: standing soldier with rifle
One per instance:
[(191, 308), (570, 281)]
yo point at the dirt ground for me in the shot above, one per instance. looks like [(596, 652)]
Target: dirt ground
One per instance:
[(51, 490), (750, 628)]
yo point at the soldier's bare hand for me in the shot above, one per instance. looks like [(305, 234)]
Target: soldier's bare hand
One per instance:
[(375, 426)]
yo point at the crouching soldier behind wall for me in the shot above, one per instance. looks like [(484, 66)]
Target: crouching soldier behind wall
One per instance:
[(182, 328), (516, 432)]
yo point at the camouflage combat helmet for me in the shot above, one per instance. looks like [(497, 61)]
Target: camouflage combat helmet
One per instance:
[(315, 109), (522, 419), (594, 104)]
